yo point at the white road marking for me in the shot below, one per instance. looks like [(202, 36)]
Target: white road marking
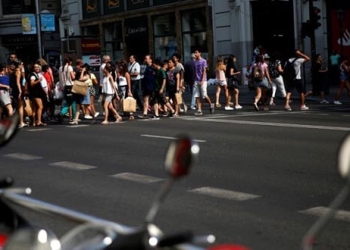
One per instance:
[(24, 157), (273, 124), (318, 211), (78, 126), (38, 129), (72, 165), (167, 137), (223, 193), (137, 177)]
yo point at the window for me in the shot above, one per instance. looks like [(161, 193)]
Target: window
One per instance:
[(164, 36)]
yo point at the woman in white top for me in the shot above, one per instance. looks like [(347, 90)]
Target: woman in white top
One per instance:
[(109, 90)]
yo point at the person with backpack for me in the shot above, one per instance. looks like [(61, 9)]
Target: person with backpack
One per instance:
[(275, 71), (292, 77), (261, 77)]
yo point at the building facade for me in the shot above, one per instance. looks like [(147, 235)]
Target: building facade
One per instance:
[(18, 29), (239, 26), (138, 27)]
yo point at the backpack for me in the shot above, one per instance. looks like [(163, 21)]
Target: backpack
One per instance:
[(273, 71), (289, 72), (257, 73)]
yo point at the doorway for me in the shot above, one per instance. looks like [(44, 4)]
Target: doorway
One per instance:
[(273, 27)]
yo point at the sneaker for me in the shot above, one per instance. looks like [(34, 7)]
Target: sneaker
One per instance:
[(212, 108), (304, 107), (337, 102), (97, 114), (193, 107), (166, 114), (144, 116), (324, 102), (74, 122), (238, 107), (288, 108), (155, 117), (272, 104), (185, 108), (88, 117), (228, 108), (199, 112)]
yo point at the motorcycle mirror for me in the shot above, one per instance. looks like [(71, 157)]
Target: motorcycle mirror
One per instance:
[(344, 158), (33, 238), (8, 128), (181, 155)]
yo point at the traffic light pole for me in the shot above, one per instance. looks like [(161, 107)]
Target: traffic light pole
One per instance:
[(312, 32)]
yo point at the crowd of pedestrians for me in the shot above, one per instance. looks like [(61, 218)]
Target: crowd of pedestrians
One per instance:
[(36, 90)]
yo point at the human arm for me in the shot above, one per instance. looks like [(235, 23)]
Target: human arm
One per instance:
[(302, 55)]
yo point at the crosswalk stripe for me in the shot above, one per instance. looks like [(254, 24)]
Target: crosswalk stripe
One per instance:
[(223, 193), (24, 157), (38, 129), (318, 211), (72, 165), (77, 126), (137, 177)]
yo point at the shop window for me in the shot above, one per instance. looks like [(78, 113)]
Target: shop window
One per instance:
[(113, 37), (194, 32), (165, 44), (11, 7)]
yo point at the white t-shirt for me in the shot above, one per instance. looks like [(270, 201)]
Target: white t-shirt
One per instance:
[(122, 81), (297, 66), (68, 78), (43, 82), (134, 68)]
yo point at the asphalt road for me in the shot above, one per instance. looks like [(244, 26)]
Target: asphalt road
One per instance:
[(259, 179)]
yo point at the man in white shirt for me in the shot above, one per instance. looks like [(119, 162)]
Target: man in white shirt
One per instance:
[(134, 69)]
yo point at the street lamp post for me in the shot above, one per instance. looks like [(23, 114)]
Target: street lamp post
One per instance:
[(340, 16)]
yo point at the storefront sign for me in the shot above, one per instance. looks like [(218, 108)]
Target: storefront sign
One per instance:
[(28, 24), (15, 40), (341, 32), (137, 4), (113, 6), (92, 60), (91, 8), (91, 45), (136, 27), (47, 22)]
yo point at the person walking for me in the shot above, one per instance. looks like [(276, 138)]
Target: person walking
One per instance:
[(275, 71), (189, 77), (261, 78), (319, 80), (200, 84), (134, 70), (221, 82), (344, 70), (335, 60), (148, 83), (232, 81), (296, 82)]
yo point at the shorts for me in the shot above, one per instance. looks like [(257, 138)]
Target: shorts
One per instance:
[(200, 91), (221, 82), (297, 84), (5, 98), (262, 84), (108, 97)]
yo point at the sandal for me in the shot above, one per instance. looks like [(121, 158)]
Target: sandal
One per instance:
[(119, 119), (218, 105), (104, 122), (41, 124)]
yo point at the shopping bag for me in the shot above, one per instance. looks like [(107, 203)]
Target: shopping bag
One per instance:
[(178, 97), (128, 104), (80, 88), (28, 106), (58, 92)]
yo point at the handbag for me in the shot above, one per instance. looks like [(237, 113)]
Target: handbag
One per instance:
[(128, 104), (178, 97), (80, 88)]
